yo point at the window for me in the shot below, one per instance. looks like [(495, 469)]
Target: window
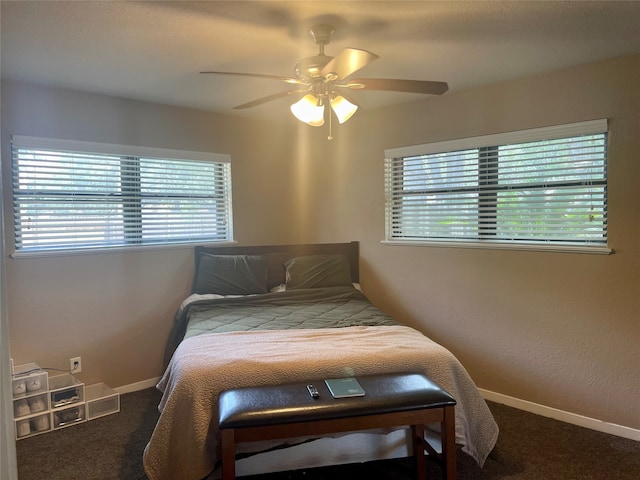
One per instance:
[(79, 195), (544, 187)]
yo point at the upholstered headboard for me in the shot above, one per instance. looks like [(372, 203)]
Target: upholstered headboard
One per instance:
[(276, 255)]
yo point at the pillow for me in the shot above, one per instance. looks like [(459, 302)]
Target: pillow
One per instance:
[(316, 271), (231, 274)]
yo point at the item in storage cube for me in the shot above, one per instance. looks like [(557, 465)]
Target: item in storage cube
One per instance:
[(101, 400), (65, 397), (19, 387), (40, 423), (37, 403), (23, 428), (68, 416), (34, 384), (21, 408)]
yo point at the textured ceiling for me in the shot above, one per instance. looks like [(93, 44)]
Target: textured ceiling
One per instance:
[(153, 50)]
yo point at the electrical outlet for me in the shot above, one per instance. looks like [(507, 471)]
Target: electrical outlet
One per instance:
[(75, 365)]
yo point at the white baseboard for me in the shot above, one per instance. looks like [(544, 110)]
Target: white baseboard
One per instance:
[(568, 417), (134, 387)]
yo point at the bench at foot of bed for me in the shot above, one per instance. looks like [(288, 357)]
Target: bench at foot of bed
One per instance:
[(390, 400)]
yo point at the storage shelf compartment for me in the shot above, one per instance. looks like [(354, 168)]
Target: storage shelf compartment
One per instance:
[(23, 407), (28, 379), (65, 417), (101, 400), (27, 427), (65, 390)]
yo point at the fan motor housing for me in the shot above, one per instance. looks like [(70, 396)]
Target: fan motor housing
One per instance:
[(309, 68)]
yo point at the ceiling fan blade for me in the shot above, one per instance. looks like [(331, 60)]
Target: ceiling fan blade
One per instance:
[(266, 99), (398, 85), (349, 61), (292, 80)]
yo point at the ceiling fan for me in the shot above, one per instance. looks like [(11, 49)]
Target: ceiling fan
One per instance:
[(322, 79)]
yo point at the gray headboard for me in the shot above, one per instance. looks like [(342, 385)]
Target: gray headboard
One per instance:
[(278, 254)]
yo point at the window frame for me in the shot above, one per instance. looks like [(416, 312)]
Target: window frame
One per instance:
[(135, 156), (481, 143)]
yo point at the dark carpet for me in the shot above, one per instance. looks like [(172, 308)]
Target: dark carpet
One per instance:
[(530, 447)]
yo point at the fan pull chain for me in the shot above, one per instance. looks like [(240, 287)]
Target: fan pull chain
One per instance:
[(330, 137)]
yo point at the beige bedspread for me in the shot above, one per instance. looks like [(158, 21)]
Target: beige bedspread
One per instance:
[(185, 442)]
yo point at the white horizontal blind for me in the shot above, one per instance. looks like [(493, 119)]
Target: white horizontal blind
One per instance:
[(546, 191), (77, 195)]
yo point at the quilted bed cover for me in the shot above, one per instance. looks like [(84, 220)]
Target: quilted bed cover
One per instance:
[(288, 337)]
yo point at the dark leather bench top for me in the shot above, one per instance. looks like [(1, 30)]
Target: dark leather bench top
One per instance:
[(290, 403)]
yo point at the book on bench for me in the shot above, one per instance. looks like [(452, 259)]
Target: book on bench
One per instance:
[(344, 387)]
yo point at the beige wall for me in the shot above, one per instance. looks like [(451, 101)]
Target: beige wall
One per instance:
[(116, 309), (553, 328), (558, 329)]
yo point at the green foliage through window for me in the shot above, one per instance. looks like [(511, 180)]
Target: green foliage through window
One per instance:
[(547, 191)]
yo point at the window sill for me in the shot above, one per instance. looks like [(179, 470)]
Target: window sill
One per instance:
[(491, 245)]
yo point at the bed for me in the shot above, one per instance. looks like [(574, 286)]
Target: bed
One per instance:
[(266, 315)]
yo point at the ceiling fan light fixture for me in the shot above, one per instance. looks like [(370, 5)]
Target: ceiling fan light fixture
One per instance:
[(309, 110), (343, 108), (321, 76)]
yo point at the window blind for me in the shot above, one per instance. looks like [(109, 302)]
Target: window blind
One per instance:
[(80, 195), (549, 189)]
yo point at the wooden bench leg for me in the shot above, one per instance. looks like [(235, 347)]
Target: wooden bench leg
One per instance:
[(417, 433), (228, 454), (448, 434)]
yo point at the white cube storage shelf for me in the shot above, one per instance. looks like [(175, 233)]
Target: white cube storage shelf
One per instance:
[(30, 400), (42, 403)]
